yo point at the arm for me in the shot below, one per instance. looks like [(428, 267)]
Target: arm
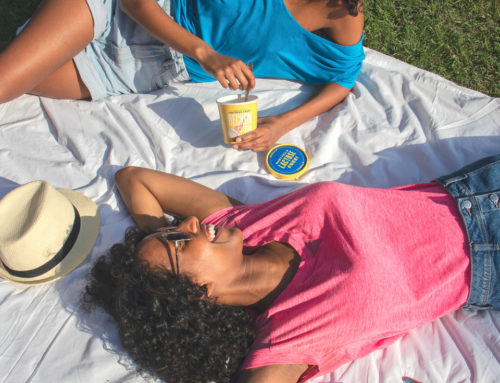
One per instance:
[(230, 72), (149, 193), (275, 373), (270, 129)]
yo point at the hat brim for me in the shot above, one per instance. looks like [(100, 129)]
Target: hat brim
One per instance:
[(89, 230)]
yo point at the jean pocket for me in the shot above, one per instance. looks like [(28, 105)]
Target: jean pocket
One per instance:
[(489, 202)]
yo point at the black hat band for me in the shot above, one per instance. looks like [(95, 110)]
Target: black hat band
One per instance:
[(56, 259)]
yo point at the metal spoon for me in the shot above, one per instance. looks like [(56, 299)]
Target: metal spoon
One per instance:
[(250, 65)]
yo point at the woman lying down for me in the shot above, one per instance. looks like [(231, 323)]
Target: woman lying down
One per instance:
[(292, 288)]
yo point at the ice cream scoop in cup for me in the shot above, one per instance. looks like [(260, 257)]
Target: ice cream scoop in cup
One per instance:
[(237, 116)]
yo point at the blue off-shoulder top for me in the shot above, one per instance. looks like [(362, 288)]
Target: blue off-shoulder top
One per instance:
[(265, 33)]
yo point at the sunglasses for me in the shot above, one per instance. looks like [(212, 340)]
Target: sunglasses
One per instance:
[(169, 234)]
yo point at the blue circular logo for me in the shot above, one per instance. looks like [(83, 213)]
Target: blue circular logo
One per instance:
[(286, 160)]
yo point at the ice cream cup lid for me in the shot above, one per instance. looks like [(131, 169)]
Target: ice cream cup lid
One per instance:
[(287, 162)]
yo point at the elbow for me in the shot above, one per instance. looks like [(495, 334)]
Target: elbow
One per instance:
[(342, 93), (345, 91), (125, 175)]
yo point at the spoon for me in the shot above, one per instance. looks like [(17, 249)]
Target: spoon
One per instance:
[(250, 65)]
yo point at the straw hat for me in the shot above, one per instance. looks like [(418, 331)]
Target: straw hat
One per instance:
[(45, 233)]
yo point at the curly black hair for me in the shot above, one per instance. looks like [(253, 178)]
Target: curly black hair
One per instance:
[(353, 6), (167, 323)]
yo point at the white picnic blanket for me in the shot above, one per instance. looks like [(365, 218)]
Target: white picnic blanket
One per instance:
[(400, 125)]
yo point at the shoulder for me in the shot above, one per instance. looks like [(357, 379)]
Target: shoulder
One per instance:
[(344, 28), (322, 189)]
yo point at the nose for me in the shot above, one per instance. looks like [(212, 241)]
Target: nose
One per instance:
[(189, 225)]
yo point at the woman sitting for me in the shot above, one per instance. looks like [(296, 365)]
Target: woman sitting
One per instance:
[(80, 49), (292, 288)]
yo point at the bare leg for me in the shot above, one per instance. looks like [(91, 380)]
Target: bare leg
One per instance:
[(65, 83), (39, 60)]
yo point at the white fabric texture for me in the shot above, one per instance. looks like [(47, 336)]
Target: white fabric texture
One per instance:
[(400, 125)]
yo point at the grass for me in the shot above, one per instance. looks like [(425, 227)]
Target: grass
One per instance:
[(13, 13), (457, 39)]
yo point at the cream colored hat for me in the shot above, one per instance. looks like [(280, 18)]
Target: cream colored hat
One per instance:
[(45, 233)]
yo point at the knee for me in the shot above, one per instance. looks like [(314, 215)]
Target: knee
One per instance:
[(6, 94), (9, 89)]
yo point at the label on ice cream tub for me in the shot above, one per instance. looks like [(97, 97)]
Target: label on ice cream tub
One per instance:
[(287, 162)]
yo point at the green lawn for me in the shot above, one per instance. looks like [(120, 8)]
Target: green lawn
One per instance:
[(14, 13), (457, 39)]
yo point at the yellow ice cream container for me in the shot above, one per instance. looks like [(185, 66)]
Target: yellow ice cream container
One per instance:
[(237, 116)]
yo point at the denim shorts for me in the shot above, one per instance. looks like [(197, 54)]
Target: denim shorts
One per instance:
[(123, 58), (476, 189)]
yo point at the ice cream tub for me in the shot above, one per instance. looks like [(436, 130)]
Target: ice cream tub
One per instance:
[(237, 116)]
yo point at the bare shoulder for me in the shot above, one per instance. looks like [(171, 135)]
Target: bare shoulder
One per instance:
[(275, 373), (343, 27), (330, 19)]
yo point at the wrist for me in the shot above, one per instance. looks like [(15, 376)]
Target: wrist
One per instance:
[(202, 52)]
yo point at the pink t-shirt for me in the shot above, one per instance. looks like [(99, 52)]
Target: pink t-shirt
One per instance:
[(376, 263)]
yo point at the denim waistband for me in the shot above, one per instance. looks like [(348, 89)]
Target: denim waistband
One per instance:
[(476, 190)]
